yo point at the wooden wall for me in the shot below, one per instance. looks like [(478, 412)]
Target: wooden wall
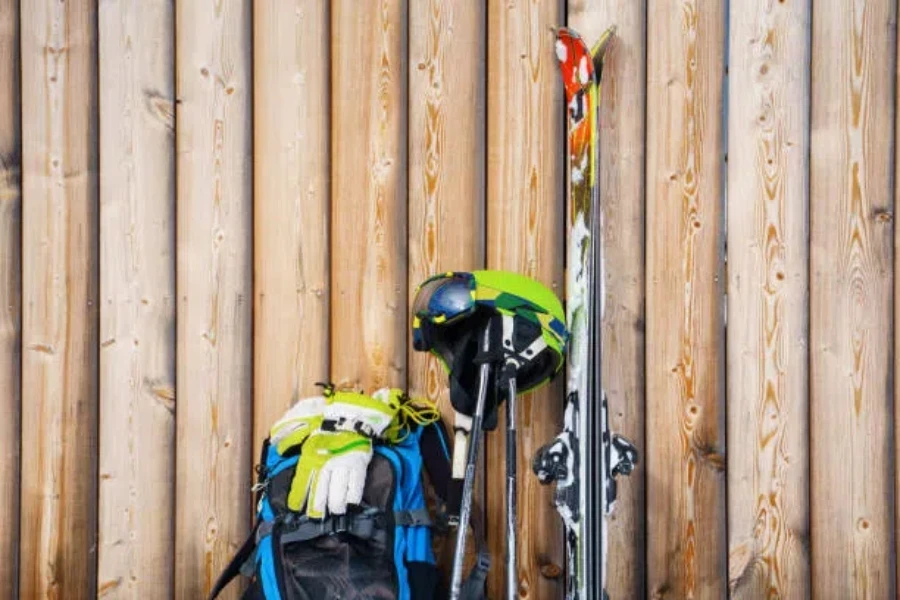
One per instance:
[(207, 206)]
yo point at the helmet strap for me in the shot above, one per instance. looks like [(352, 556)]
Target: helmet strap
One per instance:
[(513, 359), (516, 358)]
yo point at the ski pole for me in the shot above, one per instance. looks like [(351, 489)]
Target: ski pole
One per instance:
[(512, 572), (465, 509)]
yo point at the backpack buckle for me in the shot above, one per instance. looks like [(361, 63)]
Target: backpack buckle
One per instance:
[(444, 522), (483, 563), (339, 523)]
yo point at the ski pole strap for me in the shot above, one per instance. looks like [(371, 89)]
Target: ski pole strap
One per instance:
[(237, 564), (473, 586)]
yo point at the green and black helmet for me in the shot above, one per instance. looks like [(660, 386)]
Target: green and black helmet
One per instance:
[(450, 310)]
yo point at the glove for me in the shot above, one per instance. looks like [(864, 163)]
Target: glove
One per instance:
[(331, 471), (292, 429)]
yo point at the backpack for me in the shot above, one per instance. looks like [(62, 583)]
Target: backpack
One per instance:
[(382, 550)]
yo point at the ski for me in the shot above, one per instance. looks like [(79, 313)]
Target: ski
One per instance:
[(585, 458)]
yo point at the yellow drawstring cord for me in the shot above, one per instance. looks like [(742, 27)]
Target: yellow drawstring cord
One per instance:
[(419, 412)]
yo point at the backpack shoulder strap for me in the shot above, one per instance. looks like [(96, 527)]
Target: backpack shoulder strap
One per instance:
[(473, 585), (237, 564), (436, 458), (240, 561)]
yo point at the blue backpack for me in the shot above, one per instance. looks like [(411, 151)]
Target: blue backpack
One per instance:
[(381, 550)]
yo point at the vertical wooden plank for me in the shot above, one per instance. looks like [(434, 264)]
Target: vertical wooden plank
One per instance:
[(369, 212), (685, 417), (524, 234), (446, 158), (851, 246), (896, 315), (214, 229), (59, 298), (768, 199), (622, 191), (137, 290), (291, 191), (10, 295), (446, 167)]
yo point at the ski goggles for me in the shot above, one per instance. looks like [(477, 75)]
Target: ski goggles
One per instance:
[(444, 299)]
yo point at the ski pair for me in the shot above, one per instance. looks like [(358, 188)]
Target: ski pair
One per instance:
[(585, 448)]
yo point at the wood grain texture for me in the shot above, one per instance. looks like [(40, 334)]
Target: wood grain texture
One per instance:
[(291, 200), (214, 280), (137, 291), (686, 540), (10, 295), (446, 138), (622, 109), (895, 331), (369, 186), (851, 249), (59, 299), (446, 159), (768, 200), (525, 216)]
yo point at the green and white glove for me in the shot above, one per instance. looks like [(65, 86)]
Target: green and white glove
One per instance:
[(331, 471), (292, 429)]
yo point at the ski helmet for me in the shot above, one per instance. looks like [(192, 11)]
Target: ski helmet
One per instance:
[(450, 307)]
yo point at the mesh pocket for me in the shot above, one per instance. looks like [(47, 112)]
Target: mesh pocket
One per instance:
[(338, 566), (342, 565)]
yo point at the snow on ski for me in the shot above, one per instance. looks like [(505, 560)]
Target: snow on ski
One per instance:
[(585, 448)]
